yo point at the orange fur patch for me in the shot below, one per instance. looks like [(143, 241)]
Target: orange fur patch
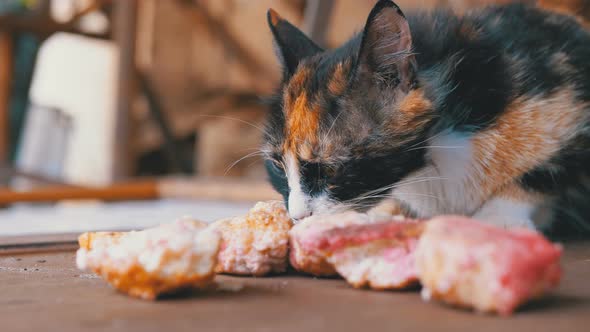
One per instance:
[(579, 9), (530, 132), (516, 193), (275, 18), (337, 83), (298, 80), (411, 113), (302, 119), (468, 31), (302, 123)]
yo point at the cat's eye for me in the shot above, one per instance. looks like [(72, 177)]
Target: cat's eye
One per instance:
[(276, 162), (277, 165), (329, 171)]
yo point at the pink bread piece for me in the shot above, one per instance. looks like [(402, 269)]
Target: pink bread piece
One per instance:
[(469, 264), (305, 238), (374, 251), (379, 255)]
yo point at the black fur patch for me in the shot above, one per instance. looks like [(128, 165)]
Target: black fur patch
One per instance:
[(372, 171), (563, 171), (277, 178)]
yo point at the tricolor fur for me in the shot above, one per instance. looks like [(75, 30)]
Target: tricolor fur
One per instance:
[(485, 115)]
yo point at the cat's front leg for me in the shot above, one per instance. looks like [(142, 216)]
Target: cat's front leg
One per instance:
[(512, 207)]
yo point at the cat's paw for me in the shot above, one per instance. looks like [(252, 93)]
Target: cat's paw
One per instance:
[(387, 207), (506, 213), (506, 221)]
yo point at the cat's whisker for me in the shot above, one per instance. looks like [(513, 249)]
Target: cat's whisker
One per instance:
[(249, 155), (252, 163), (251, 149), (421, 179), (325, 138), (434, 147), (367, 204), (577, 220), (379, 193), (433, 137), (333, 123), (387, 196), (262, 130), (402, 183)]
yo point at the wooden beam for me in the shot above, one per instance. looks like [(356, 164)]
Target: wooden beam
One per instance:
[(316, 20), (40, 26), (120, 192), (43, 8), (125, 30), (6, 63)]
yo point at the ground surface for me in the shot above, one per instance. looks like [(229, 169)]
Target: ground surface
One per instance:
[(45, 291)]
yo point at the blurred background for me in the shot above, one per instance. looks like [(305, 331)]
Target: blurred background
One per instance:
[(152, 105)]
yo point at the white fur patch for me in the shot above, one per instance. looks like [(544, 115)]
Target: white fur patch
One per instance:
[(323, 205), (298, 200), (444, 187)]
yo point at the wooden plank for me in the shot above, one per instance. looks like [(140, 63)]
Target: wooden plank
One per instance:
[(37, 247), (182, 187), (65, 299), (34, 240), (17, 245)]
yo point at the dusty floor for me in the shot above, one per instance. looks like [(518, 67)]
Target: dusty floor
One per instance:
[(46, 292)]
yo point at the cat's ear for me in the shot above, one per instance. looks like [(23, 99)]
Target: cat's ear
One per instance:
[(386, 47), (291, 44)]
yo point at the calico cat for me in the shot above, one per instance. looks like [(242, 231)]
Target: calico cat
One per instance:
[(485, 115)]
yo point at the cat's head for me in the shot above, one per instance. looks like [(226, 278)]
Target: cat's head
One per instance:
[(347, 123)]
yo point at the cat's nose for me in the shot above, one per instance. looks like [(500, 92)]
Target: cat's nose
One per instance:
[(298, 205), (298, 209), (299, 214)]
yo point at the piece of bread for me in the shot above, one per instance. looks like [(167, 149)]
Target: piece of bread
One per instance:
[(469, 264), (155, 261), (257, 243), (87, 240), (376, 255), (306, 239), (307, 254)]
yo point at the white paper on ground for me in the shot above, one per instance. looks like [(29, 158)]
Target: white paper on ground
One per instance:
[(95, 216)]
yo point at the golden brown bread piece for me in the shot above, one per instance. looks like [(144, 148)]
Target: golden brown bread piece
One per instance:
[(87, 239), (257, 243), (155, 261)]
